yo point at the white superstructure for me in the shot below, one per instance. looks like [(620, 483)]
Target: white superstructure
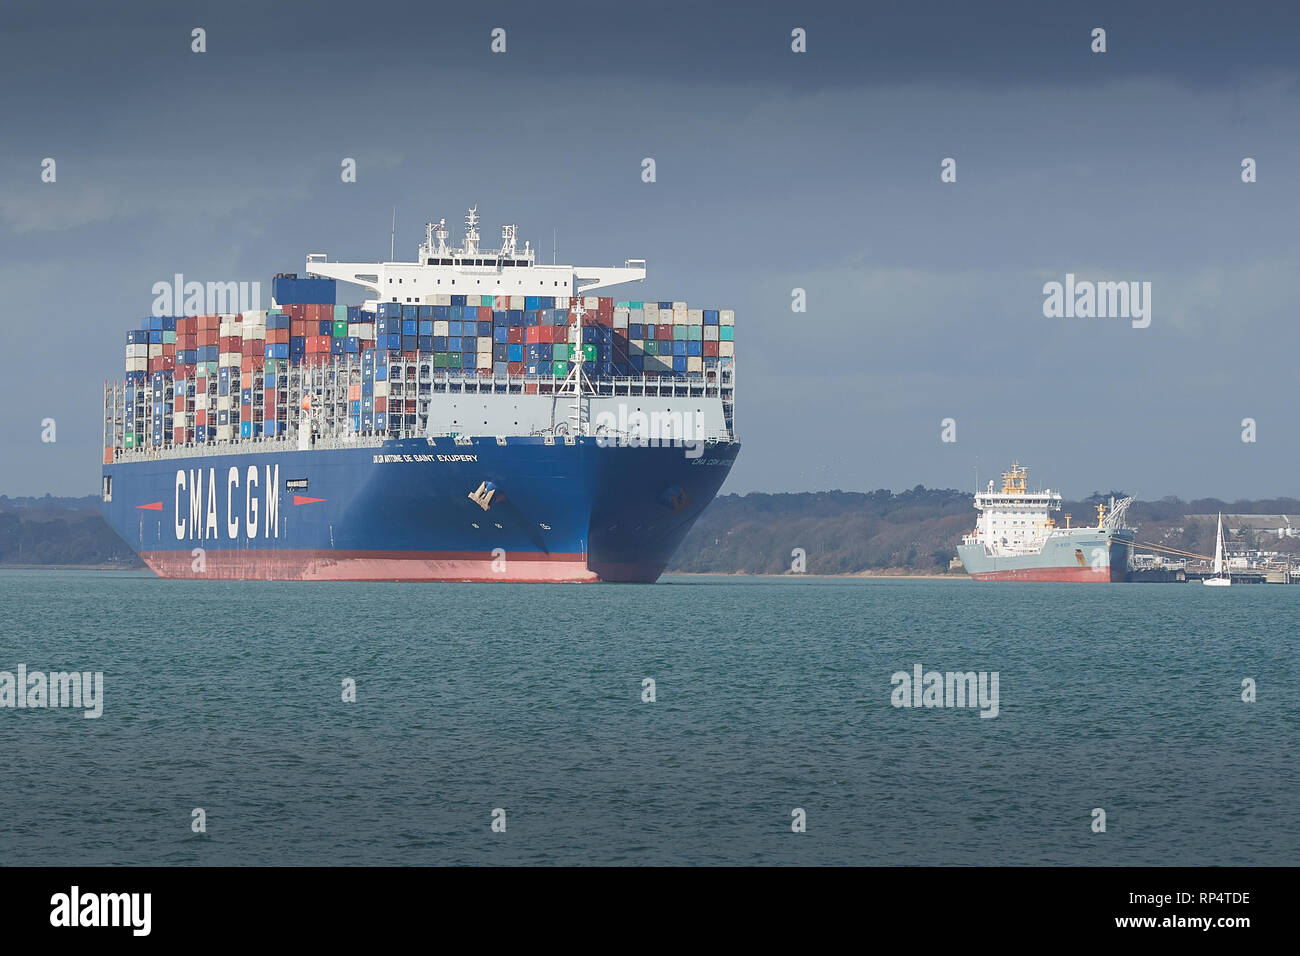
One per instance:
[(469, 270), (1014, 521)]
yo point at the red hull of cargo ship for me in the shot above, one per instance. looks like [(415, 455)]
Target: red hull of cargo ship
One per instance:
[(316, 565), (1088, 574)]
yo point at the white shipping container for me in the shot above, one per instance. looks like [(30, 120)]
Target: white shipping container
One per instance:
[(139, 364), (695, 316), (224, 432), (516, 302), (561, 301), (727, 348), (636, 316), (694, 364), (441, 327), (484, 344), (710, 333), (366, 330), (680, 316), (223, 403), (726, 317), (381, 388), (651, 314), (442, 299), (591, 302), (155, 351), (620, 321), (679, 306)]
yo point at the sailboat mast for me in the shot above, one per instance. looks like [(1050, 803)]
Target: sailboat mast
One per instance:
[(1218, 548)]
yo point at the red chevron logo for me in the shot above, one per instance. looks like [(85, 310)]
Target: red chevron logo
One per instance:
[(301, 500), (152, 506)]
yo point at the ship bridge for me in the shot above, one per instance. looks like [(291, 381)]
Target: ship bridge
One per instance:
[(441, 269)]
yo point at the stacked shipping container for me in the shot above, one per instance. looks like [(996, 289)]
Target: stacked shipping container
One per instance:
[(196, 379)]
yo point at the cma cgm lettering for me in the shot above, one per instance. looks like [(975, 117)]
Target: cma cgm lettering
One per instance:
[(257, 504)]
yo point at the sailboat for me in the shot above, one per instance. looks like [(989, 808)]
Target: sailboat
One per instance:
[(1221, 578)]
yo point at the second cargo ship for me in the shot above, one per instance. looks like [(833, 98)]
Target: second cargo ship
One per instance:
[(1016, 537), (482, 418)]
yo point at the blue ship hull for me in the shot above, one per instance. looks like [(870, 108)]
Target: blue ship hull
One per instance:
[(406, 510)]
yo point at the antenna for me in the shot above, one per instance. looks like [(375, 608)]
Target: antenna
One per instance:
[(554, 233), (392, 249)]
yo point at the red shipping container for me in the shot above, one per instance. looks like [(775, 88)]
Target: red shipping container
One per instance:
[(206, 337), (502, 302), (711, 349), (298, 328), (381, 403), (533, 334), (295, 310), (485, 313), (665, 333), (515, 368), (322, 343), (178, 436), (167, 362), (277, 336), (201, 417), (209, 323), (530, 388), (515, 336)]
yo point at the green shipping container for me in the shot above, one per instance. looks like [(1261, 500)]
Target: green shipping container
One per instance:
[(340, 329), (679, 332), (589, 351), (651, 347), (455, 359), (560, 353), (695, 332), (726, 333), (637, 305), (441, 360), (130, 440), (169, 338), (560, 369), (341, 314)]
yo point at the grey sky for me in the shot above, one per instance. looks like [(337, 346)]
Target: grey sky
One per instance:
[(775, 171)]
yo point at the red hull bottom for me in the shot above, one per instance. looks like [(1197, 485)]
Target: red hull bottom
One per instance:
[(1088, 574), (310, 565)]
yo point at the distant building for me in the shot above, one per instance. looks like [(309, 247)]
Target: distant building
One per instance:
[(1283, 526)]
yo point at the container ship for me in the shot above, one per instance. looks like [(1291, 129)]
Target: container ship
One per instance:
[(1016, 537), (481, 418)]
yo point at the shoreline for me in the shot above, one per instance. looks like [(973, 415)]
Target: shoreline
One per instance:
[(847, 574)]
